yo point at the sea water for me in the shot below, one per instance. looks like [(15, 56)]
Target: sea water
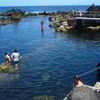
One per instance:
[(50, 59)]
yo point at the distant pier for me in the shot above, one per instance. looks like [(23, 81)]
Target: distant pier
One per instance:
[(85, 20)]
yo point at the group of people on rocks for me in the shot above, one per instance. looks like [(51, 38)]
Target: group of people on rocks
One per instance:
[(15, 57)]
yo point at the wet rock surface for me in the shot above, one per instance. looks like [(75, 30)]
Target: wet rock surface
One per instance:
[(5, 66), (14, 15), (11, 16), (60, 22)]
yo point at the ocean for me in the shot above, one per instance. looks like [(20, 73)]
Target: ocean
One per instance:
[(46, 8), (50, 58)]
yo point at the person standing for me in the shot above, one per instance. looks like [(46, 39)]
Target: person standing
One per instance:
[(15, 56), (42, 25)]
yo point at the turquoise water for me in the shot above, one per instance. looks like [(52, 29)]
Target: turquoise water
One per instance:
[(50, 59)]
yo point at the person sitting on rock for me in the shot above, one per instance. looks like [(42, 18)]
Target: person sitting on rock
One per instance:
[(78, 82), (7, 57), (81, 91)]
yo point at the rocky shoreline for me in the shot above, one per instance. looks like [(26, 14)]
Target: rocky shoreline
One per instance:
[(63, 23), (10, 16), (15, 15), (60, 20)]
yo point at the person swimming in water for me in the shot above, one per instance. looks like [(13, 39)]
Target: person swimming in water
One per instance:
[(15, 56), (7, 57)]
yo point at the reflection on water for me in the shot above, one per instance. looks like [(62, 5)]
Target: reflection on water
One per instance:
[(86, 34), (50, 59), (82, 34)]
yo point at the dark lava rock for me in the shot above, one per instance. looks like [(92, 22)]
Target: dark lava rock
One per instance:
[(94, 8), (13, 12)]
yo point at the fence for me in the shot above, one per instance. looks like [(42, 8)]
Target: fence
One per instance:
[(90, 14)]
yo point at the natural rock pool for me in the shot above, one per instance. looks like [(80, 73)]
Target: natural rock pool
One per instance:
[(50, 60)]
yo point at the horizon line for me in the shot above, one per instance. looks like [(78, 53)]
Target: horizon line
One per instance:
[(44, 5)]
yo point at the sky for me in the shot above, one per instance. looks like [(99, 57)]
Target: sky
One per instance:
[(47, 2)]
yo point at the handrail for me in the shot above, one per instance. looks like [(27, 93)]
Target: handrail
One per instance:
[(91, 14)]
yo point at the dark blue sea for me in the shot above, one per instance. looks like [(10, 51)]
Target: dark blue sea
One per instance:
[(46, 8), (50, 58)]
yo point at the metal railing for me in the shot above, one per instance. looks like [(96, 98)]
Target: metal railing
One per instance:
[(91, 14)]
